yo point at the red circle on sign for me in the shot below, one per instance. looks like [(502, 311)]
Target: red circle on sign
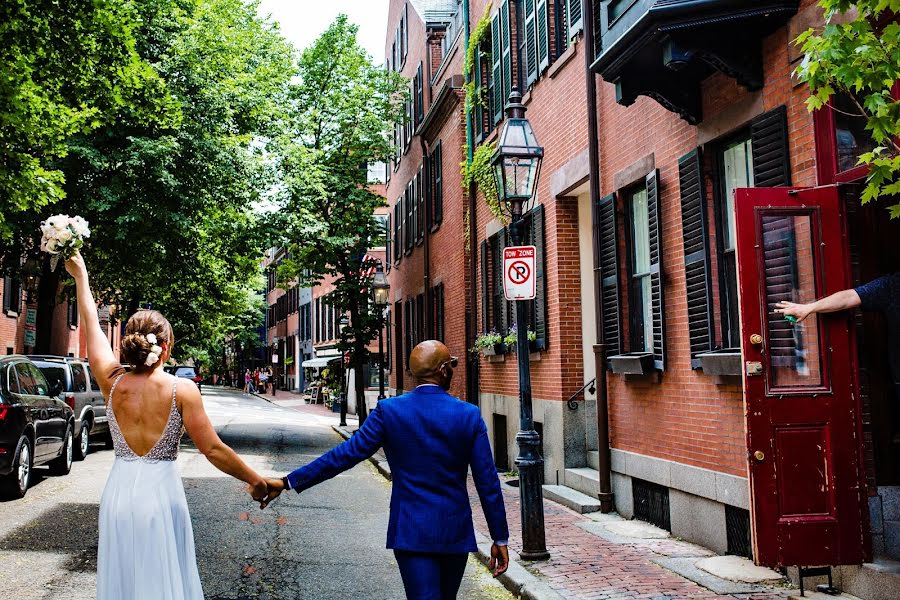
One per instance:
[(519, 272)]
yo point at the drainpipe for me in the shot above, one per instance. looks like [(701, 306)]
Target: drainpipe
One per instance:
[(605, 494), (473, 359)]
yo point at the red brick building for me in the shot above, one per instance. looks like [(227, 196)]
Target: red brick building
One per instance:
[(667, 267)]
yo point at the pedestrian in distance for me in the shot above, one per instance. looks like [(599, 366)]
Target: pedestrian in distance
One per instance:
[(430, 439), (248, 380), (263, 380), (146, 542)]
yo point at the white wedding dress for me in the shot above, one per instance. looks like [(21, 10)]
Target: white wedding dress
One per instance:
[(146, 548)]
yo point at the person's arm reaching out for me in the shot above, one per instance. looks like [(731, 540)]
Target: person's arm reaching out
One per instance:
[(198, 426), (100, 355), (843, 300)]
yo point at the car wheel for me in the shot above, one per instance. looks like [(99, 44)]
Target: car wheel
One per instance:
[(63, 463), (84, 441), (16, 483)]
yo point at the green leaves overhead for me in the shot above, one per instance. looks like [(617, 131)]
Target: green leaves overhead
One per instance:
[(857, 53)]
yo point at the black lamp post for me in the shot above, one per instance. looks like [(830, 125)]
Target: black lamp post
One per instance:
[(517, 164), (380, 291), (345, 320)]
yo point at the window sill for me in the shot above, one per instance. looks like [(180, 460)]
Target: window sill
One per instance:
[(435, 227), (725, 362), (564, 58), (632, 363), (12, 314)]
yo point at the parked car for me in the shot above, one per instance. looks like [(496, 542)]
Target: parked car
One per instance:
[(81, 392), (188, 372), (36, 426)]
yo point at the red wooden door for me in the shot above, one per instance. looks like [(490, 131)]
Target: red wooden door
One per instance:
[(802, 415)]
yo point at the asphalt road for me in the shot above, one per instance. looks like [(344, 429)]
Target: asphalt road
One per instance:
[(327, 543)]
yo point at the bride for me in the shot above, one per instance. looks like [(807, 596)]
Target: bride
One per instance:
[(146, 546)]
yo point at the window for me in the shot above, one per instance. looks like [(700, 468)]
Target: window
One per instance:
[(735, 171), (94, 385), (409, 224), (12, 295), (568, 23), (388, 228), (640, 294), (398, 316), (79, 380), (419, 186), (437, 302), (437, 186), (533, 35), (419, 95), (380, 241), (482, 111), (375, 172), (399, 218), (73, 313)]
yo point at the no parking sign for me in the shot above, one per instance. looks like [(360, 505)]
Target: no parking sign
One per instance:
[(518, 272)]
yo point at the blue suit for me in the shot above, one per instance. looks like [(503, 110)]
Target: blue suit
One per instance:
[(430, 439)]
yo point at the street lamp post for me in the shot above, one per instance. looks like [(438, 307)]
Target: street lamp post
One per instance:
[(345, 320), (380, 291), (517, 164)]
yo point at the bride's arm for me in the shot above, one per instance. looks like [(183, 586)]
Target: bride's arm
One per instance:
[(100, 355), (208, 442)]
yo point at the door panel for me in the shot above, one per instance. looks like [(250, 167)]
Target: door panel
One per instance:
[(803, 424)]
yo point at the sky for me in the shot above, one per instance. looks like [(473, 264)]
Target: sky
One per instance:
[(302, 21)]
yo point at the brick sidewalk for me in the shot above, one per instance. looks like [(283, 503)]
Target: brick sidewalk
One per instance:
[(585, 566)]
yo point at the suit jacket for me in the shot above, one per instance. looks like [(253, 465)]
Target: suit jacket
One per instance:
[(430, 439)]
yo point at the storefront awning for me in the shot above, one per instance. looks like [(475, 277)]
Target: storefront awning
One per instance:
[(318, 363)]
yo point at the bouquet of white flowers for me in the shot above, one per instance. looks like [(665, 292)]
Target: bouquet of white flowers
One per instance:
[(63, 236)]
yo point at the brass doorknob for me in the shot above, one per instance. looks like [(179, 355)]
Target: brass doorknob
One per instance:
[(756, 339), (758, 455)]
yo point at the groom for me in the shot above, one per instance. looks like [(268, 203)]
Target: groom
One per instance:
[(430, 439)]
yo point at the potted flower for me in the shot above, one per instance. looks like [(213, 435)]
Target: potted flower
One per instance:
[(489, 344), (512, 338)]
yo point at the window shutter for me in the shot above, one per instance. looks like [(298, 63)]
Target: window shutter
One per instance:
[(477, 104), (606, 227), (531, 55), (387, 244), (771, 156), (438, 198), (398, 248), (496, 70), (504, 315), (573, 17), (539, 308), (420, 96), (506, 53), (656, 284), (485, 289), (696, 253), (410, 233), (543, 36), (7, 293), (420, 195)]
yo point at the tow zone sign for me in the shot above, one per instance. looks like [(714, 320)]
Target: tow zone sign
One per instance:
[(518, 272)]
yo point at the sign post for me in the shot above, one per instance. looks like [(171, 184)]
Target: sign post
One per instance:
[(518, 272)]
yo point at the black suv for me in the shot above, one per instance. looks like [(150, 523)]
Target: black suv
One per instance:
[(80, 391), (36, 427)]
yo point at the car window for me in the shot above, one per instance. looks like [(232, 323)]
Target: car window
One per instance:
[(31, 381), (185, 372), (54, 374), (42, 388), (12, 382), (79, 380), (94, 385)]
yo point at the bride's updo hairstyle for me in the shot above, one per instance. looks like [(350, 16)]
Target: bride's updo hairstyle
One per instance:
[(135, 345)]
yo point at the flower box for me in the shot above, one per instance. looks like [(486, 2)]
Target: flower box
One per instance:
[(495, 350), (632, 363)]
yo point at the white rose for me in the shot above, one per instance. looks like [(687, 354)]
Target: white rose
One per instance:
[(64, 235), (59, 222), (80, 227), (151, 337), (52, 246), (151, 359), (156, 350)]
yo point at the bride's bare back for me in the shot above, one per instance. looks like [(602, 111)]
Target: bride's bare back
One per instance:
[(142, 405)]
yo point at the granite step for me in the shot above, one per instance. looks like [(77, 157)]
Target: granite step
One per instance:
[(580, 503), (583, 479), (593, 459)]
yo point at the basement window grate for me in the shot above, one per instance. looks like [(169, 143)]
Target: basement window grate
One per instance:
[(737, 531), (651, 503)]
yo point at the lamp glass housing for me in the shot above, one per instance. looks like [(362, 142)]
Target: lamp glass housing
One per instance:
[(517, 161), (380, 287)]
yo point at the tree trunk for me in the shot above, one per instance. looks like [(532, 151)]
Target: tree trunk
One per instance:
[(359, 353)]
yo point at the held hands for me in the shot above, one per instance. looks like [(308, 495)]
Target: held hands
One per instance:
[(499, 560), (265, 491)]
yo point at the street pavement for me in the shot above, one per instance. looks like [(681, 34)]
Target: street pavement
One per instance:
[(327, 543)]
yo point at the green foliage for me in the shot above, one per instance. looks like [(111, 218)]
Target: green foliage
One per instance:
[(487, 340), (860, 57), (66, 71), (481, 173), (482, 28), (338, 119), (512, 337)]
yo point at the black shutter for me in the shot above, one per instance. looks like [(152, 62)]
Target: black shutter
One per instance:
[(573, 17), (506, 53), (421, 186), (771, 156), (542, 33), (606, 230), (7, 294), (438, 197), (657, 294), (539, 307), (696, 253), (387, 244), (504, 313), (485, 289), (420, 97), (398, 245), (531, 58), (496, 71)]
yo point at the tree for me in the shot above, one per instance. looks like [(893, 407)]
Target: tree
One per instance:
[(860, 57), (341, 111), (172, 207), (65, 71)]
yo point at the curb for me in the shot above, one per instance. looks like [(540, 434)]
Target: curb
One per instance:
[(519, 581)]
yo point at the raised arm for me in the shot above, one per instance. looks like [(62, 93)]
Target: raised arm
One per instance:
[(208, 442), (838, 301), (100, 355)]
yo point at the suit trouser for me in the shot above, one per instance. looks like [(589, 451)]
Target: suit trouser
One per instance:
[(431, 576)]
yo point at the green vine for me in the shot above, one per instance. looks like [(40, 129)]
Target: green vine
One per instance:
[(479, 170)]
